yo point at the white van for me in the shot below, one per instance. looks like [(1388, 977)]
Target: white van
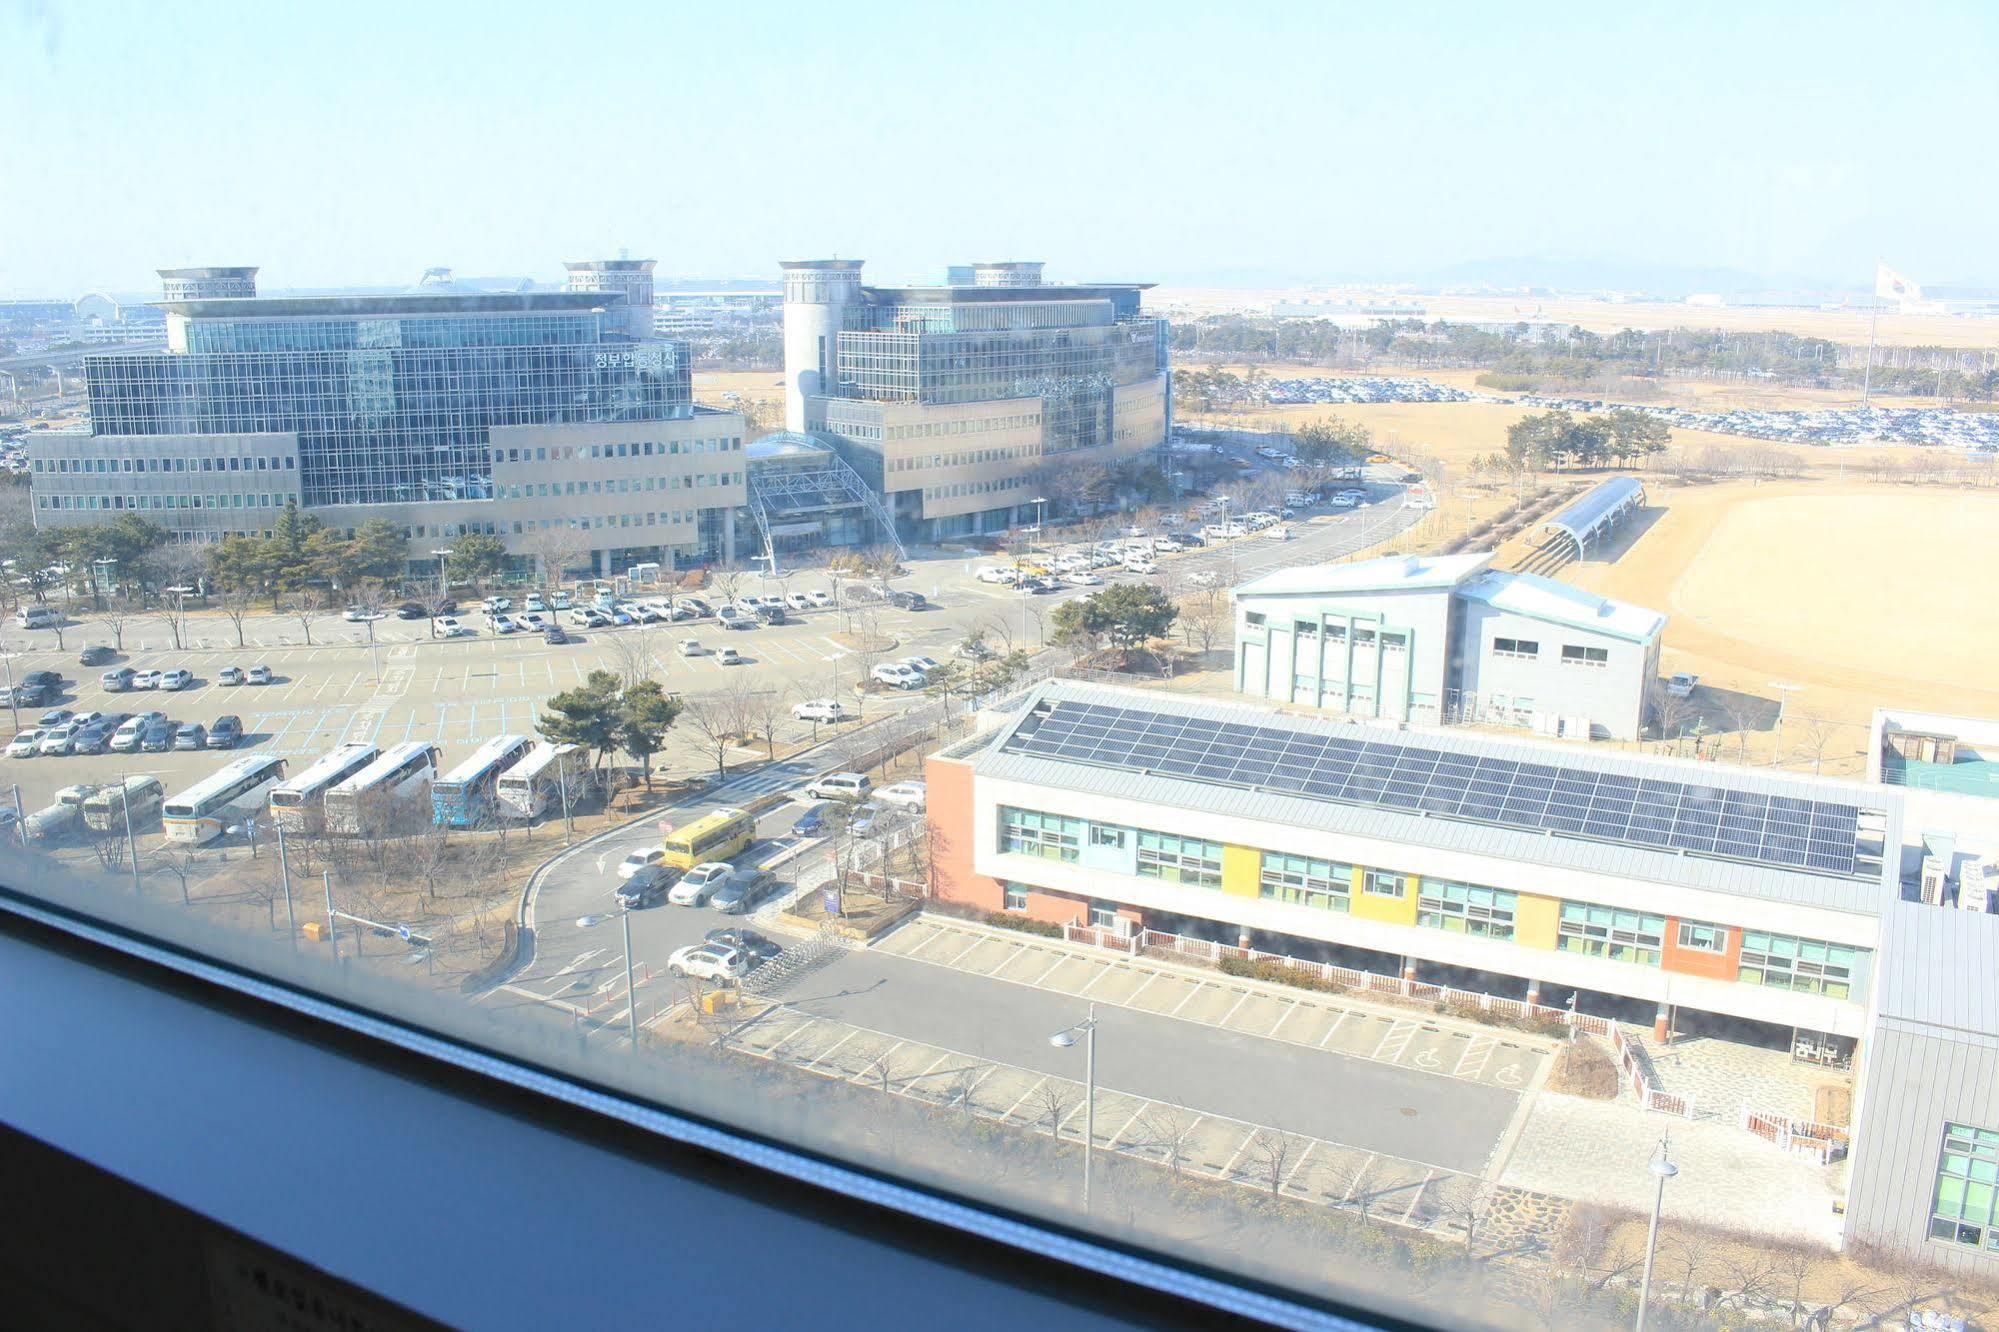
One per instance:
[(37, 617)]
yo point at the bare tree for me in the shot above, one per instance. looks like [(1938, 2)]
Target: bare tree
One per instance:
[(109, 848), (1167, 1130), (1815, 734), (763, 711), (556, 551), (1272, 1157), (1796, 1266), (237, 603), (120, 610), (178, 865), (1669, 711), (1052, 1102), (1465, 1203), (171, 612), (307, 606), (425, 859), (1207, 618), (728, 583), (716, 722), (884, 1068), (631, 655)]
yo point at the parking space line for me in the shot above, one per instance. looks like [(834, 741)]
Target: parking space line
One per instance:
[(1303, 1157), (1060, 958), (1481, 1046), (1104, 970), (1358, 1176), (968, 948), (1427, 1177), (1112, 1144), (814, 1062), (1282, 1018), (1228, 1171), (1023, 1098), (928, 1071), (1400, 1031), (1223, 1021), (879, 1061), (1197, 988), (1344, 1014)]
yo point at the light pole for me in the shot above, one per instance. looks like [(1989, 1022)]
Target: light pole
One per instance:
[(1783, 697), (1662, 1170), (631, 995), (285, 879), (1063, 1040)]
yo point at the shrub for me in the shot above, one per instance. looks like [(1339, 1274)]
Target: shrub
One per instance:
[(1025, 924), (1584, 1068), (1278, 972)]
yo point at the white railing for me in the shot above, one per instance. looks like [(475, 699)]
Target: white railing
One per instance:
[(1824, 1143)]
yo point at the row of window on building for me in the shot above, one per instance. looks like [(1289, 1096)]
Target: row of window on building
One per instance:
[(1530, 649), (977, 488), (226, 463), (977, 425), (966, 458), (622, 485), (1787, 962), (644, 448), (154, 502)]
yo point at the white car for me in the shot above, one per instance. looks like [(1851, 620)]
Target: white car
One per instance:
[(1082, 578), (900, 674), (797, 601), (639, 859), (1140, 565), (691, 647), (25, 745), (924, 664), (905, 795), (177, 679), (494, 605), (821, 710), (728, 656), (362, 615), (708, 962), (259, 675), (450, 628), (994, 573), (229, 675), (1167, 545), (840, 786), (56, 739), (699, 884), (147, 680), (1342, 502), (820, 599), (1681, 685)]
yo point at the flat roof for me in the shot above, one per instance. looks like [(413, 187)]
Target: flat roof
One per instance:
[(403, 304), (970, 295), (1939, 969), (1462, 768), (1557, 602), (1391, 573)]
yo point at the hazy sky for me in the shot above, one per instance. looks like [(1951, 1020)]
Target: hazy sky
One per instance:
[(361, 142)]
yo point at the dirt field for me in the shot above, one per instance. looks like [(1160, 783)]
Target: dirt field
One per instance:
[(1865, 594)]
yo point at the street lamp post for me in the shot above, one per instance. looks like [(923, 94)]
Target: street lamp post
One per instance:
[(1784, 691), (1662, 1170), (285, 879), (631, 995), (1063, 1040)]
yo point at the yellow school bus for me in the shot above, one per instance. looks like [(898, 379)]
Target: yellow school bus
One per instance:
[(718, 836)]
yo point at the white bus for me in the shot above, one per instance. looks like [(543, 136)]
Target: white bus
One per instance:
[(200, 813), (530, 786), (395, 788), (298, 806), (463, 797)]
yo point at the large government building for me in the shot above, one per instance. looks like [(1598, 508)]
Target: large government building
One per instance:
[(952, 401), (443, 409)]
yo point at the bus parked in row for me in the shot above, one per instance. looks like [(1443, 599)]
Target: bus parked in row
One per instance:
[(299, 805), (722, 835), (464, 797), (548, 776), (200, 813), (389, 793), (105, 810)]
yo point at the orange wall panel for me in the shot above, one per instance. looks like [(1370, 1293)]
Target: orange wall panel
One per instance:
[(1699, 962), (948, 804)]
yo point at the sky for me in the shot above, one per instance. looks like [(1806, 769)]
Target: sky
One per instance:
[(1188, 144)]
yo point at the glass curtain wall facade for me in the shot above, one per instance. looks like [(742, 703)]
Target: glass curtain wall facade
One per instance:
[(394, 405)]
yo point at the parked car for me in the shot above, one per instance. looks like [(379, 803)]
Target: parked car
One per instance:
[(1681, 684), (412, 610), (560, 601), (1082, 578), (229, 675), (821, 710), (644, 887), (553, 636), (728, 656), (500, 624), (997, 573), (25, 744), (924, 664), (54, 717), (56, 740), (177, 679), (533, 602), (362, 615), (118, 681), (691, 647), (227, 732), (639, 860), (158, 736), (797, 601), (191, 735), (770, 614), (259, 675), (812, 822), (699, 884), (95, 738), (708, 962), (847, 786), (23, 695), (758, 948), (94, 655), (48, 681), (446, 627), (872, 818), (897, 673), (1140, 565), (590, 618), (974, 649), (904, 599), (742, 890), (496, 605), (734, 617), (126, 738), (906, 795), (148, 679), (820, 599)]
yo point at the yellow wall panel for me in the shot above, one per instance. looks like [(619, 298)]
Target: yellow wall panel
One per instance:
[(1393, 910), (1242, 870), (1534, 920)]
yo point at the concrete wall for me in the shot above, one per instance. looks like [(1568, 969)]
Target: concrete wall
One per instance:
[(1612, 696), (227, 483), (1406, 685)]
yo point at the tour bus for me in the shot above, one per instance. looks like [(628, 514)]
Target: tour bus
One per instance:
[(385, 793), (540, 779), (105, 810), (200, 813), (718, 836), (299, 805), (463, 797)]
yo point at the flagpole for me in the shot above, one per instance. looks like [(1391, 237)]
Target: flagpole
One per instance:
[(1867, 373)]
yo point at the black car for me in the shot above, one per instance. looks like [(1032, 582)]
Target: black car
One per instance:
[(24, 695), (447, 606), (94, 655), (553, 636), (759, 948), (226, 733), (770, 614), (646, 887), (96, 737), (48, 680), (411, 610), (157, 738), (902, 600)]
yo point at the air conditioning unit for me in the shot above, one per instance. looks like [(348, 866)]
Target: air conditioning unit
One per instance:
[(1936, 880)]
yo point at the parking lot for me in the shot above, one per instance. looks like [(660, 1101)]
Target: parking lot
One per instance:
[(1319, 1022), (1218, 1147)]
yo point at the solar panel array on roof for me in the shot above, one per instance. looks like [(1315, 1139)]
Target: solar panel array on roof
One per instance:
[(1699, 819)]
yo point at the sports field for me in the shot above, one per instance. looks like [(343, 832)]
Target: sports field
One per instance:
[(1864, 594)]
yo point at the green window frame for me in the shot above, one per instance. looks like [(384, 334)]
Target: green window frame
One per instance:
[(1786, 962), (1029, 832), (1465, 908), (1385, 883), (1607, 932), (1175, 859), (1964, 1203), (1700, 937), (1303, 881)]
